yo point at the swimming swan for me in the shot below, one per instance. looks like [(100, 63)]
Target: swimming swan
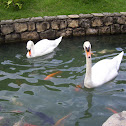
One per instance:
[(42, 47), (103, 71)]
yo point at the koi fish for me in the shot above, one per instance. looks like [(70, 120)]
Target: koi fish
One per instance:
[(51, 75), (43, 116), (112, 110), (60, 121), (78, 87)]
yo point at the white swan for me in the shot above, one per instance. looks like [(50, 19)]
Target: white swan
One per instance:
[(103, 71), (42, 47)]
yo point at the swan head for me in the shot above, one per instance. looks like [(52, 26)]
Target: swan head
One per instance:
[(30, 45), (87, 48)]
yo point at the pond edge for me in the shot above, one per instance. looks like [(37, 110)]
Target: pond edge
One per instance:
[(50, 27)]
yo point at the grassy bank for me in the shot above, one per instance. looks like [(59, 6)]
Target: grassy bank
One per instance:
[(35, 8)]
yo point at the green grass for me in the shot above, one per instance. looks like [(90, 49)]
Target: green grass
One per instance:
[(36, 8)]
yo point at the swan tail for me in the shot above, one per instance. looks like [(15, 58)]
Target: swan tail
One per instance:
[(58, 40), (118, 59)]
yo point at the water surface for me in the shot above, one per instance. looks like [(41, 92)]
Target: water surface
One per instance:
[(22, 84)]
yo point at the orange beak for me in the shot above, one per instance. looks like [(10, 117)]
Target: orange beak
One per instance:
[(88, 53), (29, 52)]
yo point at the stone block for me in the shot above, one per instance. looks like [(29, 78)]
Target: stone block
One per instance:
[(7, 29), (73, 23), (55, 24), (64, 32), (63, 24), (22, 20), (96, 22), (85, 15), (31, 26), (123, 28), (29, 35), (117, 14), (12, 37), (62, 17), (123, 13), (97, 14), (36, 19), (121, 20), (6, 22), (49, 34), (106, 14), (73, 16), (20, 27), (69, 32), (79, 32), (50, 18), (91, 31), (108, 21), (84, 23), (60, 33), (104, 30), (42, 26), (115, 28), (1, 39)]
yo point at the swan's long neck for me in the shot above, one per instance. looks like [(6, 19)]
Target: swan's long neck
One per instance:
[(87, 80), (33, 50)]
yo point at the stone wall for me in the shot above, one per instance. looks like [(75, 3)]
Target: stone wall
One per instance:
[(67, 25)]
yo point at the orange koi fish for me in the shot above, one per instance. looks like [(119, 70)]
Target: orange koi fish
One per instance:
[(112, 110), (51, 75), (78, 87), (60, 121)]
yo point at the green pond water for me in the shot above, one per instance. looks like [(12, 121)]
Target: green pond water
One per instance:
[(22, 84)]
